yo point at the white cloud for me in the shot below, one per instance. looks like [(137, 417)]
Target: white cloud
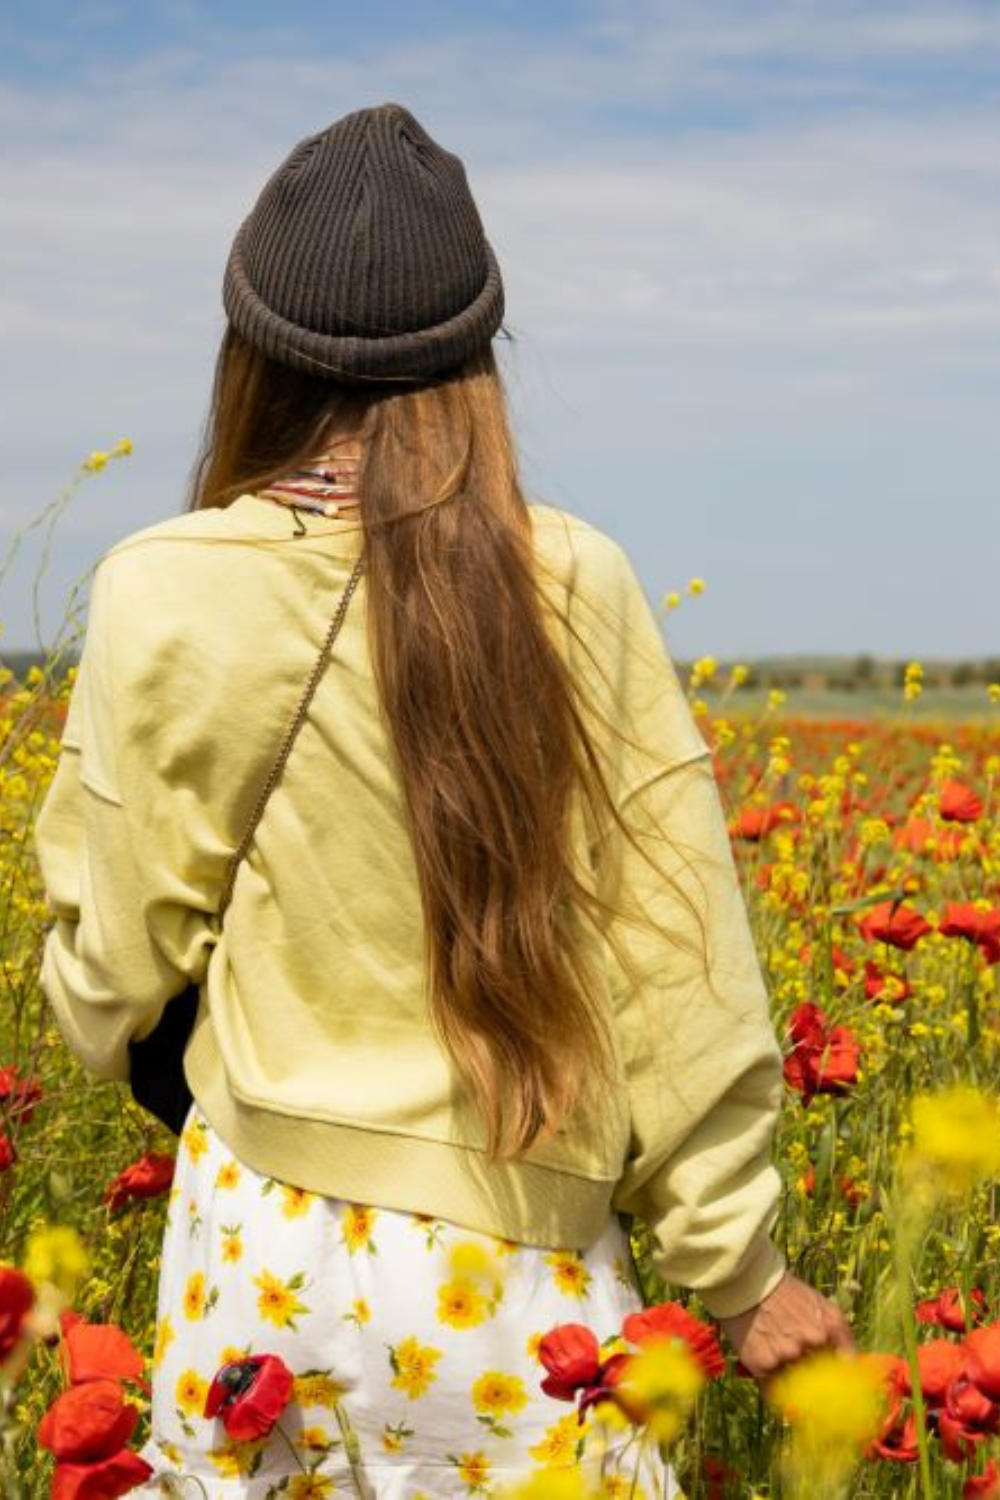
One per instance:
[(818, 272)]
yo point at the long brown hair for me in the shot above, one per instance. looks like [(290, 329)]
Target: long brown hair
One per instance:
[(483, 711)]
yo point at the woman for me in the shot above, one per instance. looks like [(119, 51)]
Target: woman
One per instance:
[(486, 982)]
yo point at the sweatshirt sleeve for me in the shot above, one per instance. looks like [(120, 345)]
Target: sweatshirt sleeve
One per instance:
[(699, 1052), (112, 958)]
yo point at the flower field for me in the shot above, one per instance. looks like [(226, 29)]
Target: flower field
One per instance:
[(870, 856)]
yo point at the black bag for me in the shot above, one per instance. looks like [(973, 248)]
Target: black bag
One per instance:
[(156, 1064)]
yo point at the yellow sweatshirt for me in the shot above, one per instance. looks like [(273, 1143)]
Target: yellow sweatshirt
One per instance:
[(312, 1054)]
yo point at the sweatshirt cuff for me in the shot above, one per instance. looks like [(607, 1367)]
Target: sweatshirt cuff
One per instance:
[(758, 1277)]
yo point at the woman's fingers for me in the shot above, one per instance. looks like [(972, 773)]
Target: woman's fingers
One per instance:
[(841, 1336), (793, 1321)]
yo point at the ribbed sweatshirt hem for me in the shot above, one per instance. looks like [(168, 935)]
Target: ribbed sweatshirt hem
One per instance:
[(521, 1201)]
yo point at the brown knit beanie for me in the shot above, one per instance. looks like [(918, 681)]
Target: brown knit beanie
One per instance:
[(364, 257)]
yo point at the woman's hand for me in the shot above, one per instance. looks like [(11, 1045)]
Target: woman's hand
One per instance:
[(792, 1321)]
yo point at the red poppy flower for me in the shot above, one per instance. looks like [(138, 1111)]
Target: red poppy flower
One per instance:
[(824, 1060), (607, 1386), (913, 835), (897, 1441), (965, 919), (668, 1320), (967, 1419), (717, 1475), (959, 803), (99, 1351), (939, 1362), (105, 1480), (984, 1486), (893, 923), (8, 1156), (947, 1310), (148, 1177), (841, 960), (965, 1403), (876, 983), (88, 1422), (922, 836), (572, 1356), (17, 1296), (19, 1095), (850, 1192), (807, 1023), (957, 1442), (250, 1394), (982, 1359), (755, 823)]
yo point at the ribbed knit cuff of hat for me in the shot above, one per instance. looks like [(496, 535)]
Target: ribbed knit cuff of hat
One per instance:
[(364, 257)]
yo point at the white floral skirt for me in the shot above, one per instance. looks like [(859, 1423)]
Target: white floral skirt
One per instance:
[(412, 1342)]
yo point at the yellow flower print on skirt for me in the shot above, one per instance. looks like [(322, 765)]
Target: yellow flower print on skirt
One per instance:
[(416, 1336)]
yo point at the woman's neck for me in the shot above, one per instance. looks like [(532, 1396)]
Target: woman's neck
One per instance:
[(326, 484)]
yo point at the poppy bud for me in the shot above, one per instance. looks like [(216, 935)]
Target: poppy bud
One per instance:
[(250, 1395)]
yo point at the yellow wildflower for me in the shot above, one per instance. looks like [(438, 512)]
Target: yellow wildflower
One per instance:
[(474, 1469), (194, 1139), (236, 1460), (297, 1201), (309, 1487), (661, 1384), (318, 1389), (495, 1394), (194, 1296), (696, 586), (703, 670), (562, 1444), (470, 1262), (469, 1259), (232, 1246), (569, 1273), (413, 1367), (226, 1461), (55, 1254), (357, 1227), (956, 1134), (548, 1485), (461, 1304), (277, 1302), (190, 1393), (835, 1404), (165, 1336)]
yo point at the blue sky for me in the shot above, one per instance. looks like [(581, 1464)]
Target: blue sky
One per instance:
[(751, 253)]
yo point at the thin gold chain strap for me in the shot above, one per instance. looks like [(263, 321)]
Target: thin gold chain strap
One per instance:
[(293, 728)]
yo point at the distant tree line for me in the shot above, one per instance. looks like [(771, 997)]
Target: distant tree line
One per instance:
[(856, 673), (813, 674)]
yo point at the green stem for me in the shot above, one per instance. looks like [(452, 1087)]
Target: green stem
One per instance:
[(634, 1488), (352, 1448), (290, 1446), (972, 1014), (909, 1323)]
